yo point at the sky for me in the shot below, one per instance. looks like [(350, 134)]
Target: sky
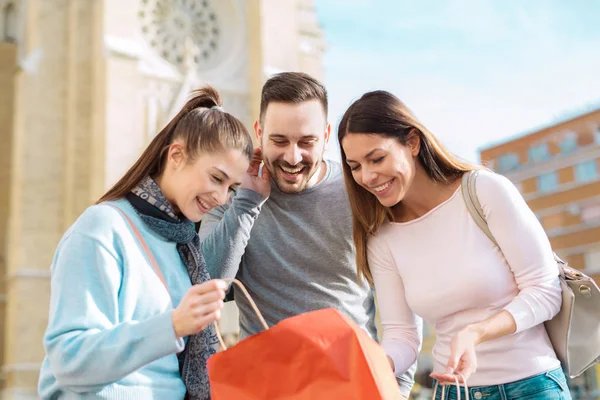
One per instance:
[(475, 72)]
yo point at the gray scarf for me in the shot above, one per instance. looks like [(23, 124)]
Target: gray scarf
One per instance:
[(158, 214)]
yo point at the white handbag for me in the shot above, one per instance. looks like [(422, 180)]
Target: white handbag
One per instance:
[(575, 330)]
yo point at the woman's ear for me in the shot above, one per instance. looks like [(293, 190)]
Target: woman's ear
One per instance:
[(176, 157), (413, 141)]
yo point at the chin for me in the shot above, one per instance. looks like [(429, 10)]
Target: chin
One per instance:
[(194, 217), (389, 201), (289, 188)]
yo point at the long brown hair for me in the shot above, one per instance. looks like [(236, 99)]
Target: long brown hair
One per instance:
[(381, 113), (200, 126)]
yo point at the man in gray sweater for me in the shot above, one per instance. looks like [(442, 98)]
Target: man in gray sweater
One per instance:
[(287, 232)]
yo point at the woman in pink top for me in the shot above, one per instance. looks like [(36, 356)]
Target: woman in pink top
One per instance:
[(427, 258)]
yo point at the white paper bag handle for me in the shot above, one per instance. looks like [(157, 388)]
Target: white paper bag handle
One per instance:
[(457, 383)]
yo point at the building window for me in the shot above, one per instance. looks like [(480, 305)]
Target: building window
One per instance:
[(491, 164), (539, 152), (574, 209), (597, 135), (568, 144), (168, 25), (507, 162), (591, 213), (8, 23), (586, 171), (592, 261), (548, 182)]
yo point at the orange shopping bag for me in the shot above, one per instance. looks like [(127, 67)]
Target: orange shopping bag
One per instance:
[(317, 355)]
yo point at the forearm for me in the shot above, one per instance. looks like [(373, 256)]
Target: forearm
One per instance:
[(224, 235), (405, 381), (536, 302), (497, 326), (401, 355), (88, 358), (402, 328)]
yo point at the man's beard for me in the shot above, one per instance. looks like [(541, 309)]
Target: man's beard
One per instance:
[(308, 171)]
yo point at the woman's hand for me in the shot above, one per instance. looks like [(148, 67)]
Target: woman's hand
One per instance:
[(200, 307), (260, 184), (463, 361), (462, 349)]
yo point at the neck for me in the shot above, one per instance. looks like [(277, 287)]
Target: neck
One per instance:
[(161, 181), (318, 175), (423, 195)]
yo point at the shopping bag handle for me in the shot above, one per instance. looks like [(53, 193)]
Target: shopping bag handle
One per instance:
[(252, 303), (142, 243), (457, 383), (159, 273)]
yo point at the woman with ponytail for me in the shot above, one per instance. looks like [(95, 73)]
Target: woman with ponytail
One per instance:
[(132, 305)]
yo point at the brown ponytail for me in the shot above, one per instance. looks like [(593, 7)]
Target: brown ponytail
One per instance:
[(200, 127)]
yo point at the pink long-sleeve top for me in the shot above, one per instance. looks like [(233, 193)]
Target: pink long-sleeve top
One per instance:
[(441, 267)]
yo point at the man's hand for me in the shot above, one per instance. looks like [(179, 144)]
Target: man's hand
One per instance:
[(260, 184)]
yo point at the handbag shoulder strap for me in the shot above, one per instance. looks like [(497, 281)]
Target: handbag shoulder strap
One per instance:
[(142, 244), (469, 193)]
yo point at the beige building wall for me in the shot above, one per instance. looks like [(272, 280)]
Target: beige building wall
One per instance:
[(49, 181), (84, 86), (8, 52)]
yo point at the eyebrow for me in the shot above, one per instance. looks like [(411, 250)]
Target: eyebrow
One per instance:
[(223, 172), (280, 136), (369, 154), (227, 176)]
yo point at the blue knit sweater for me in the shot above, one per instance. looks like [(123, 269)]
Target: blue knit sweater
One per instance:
[(110, 333)]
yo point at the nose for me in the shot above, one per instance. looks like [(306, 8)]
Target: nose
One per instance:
[(293, 155), (368, 176), (221, 196)]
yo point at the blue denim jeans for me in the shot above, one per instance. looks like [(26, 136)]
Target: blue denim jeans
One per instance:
[(551, 385)]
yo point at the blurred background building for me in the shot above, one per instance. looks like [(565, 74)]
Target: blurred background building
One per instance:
[(557, 169), (84, 86)]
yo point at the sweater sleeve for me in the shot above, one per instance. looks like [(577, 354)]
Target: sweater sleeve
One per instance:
[(86, 344), (526, 249), (401, 326), (225, 232)]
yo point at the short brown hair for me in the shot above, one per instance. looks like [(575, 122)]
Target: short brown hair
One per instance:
[(202, 127), (292, 87)]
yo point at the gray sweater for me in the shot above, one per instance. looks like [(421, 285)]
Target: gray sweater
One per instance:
[(294, 254)]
